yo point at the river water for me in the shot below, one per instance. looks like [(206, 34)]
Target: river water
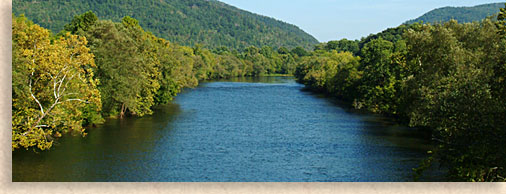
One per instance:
[(241, 130)]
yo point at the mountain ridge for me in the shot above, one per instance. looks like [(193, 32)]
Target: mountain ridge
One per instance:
[(463, 14), (211, 23)]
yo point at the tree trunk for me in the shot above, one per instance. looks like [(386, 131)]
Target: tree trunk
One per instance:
[(122, 111), (44, 115)]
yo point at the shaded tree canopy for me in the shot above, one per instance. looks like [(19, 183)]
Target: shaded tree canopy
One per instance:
[(186, 22)]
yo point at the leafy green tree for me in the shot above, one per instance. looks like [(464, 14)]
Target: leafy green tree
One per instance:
[(343, 45), (204, 62), (391, 34), (457, 95), (81, 22), (53, 85), (283, 51), (299, 51), (501, 21), (380, 83), (448, 78), (126, 67), (331, 72), (288, 64)]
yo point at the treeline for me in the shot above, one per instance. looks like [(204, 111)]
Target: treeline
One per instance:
[(447, 78), (461, 14), (96, 69), (187, 22)]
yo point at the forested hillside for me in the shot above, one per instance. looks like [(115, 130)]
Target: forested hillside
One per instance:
[(97, 69), (447, 79), (461, 14), (187, 22)]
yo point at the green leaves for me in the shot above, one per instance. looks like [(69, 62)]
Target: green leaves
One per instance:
[(332, 72), (138, 70), (501, 21), (448, 78), (210, 23), (455, 95), (53, 85), (127, 66), (342, 45), (81, 23)]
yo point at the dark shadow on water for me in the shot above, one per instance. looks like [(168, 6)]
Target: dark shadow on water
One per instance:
[(262, 79), (384, 121), (391, 130), (261, 129), (73, 158)]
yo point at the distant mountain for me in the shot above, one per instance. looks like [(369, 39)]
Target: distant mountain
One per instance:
[(461, 14), (188, 22)]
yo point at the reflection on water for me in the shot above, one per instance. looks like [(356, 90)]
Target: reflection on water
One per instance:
[(242, 129)]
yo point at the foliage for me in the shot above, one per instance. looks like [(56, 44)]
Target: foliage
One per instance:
[(299, 51), (330, 71), (54, 89), (212, 24), (126, 66), (383, 69), (391, 34), (448, 78), (501, 21), (343, 45), (136, 69), (458, 73), (461, 14), (81, 23)]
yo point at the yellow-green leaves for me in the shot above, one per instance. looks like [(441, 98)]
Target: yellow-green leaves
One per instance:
[(52, 84), (333, 72), (456, 93), (501, 21), (127, 65)]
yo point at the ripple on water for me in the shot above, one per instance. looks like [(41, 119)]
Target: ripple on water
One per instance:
[(262, 129)]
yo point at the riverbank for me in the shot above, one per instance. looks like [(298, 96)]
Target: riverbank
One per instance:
[(254, 129)]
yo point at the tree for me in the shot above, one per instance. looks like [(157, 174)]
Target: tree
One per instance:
[(380, 82), (126, 65), (299, 51), (188, 23), (456, 86), (501, 21), (81, 22), (343, 45), (283, 50), (331, 72), (204, 62), (53, 83)]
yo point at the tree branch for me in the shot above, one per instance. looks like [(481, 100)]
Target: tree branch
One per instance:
[(33, 96), (84, 101), (61, 82)]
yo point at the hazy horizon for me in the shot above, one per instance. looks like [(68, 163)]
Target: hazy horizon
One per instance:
[(336, 19)]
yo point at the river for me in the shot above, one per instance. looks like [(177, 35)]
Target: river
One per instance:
[(267, 129)]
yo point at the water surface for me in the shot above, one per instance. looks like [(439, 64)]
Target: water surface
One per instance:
[(241, 130)]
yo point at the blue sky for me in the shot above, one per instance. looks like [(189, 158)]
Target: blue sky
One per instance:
[(336, 19)]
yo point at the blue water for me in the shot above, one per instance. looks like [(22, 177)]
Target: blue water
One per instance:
[(241, 130)]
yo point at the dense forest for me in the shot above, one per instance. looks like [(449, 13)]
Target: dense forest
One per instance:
[(461, 14), (95, 69), (210, 23), (448, 79)]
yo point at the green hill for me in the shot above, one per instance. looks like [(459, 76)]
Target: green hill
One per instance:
[(187, 22), (461, 14)]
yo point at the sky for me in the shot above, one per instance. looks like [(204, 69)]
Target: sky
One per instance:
[(352, 19)]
